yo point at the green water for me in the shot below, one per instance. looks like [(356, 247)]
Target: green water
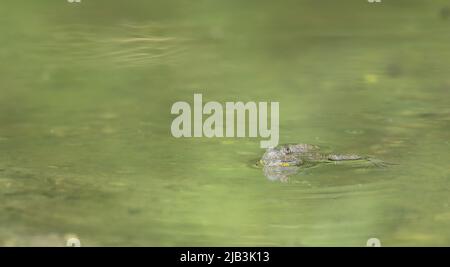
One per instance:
[(85, 143)]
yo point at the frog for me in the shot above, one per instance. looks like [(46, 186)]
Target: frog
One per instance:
[(285, 160)]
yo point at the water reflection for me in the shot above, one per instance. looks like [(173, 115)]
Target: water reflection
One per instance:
[(279, 173)]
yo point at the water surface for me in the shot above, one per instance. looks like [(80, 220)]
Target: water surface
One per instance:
[(86, 149)]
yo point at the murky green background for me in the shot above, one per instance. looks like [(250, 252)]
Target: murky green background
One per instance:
[(85, 144)]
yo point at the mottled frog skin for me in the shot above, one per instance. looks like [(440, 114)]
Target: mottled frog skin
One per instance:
[(285, 160), (297, 154)]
